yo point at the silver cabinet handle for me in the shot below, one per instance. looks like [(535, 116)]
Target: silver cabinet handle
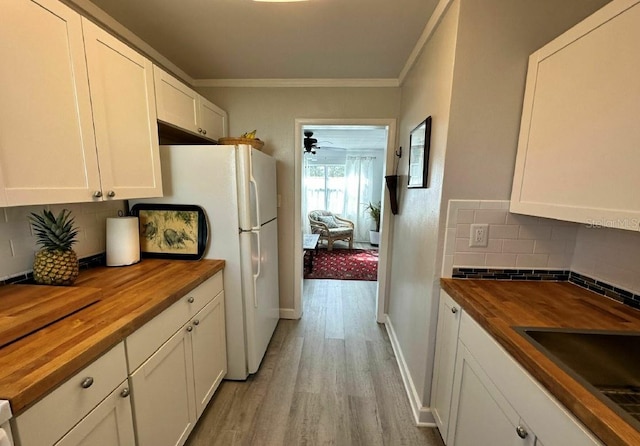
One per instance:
[(191, 299), (125, 392), (522, 432), (87, 382), (204, 132), (97, 194), (196, 322), (454, 310), (111, 194), (189, 328), (199, 130)]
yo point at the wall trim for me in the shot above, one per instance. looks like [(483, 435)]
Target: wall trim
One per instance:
[(422, 415), (288, 83)]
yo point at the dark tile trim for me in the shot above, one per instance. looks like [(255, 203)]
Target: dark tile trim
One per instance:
[(605, 289), (586, 282), (84, 264), (511, 274)]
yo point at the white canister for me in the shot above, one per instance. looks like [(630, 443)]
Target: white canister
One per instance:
[(123, 241)]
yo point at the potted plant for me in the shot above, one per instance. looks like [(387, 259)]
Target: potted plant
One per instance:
[(374, 212)]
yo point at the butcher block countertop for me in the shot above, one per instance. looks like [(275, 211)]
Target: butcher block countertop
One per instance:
[(498, 306), (129, 297)]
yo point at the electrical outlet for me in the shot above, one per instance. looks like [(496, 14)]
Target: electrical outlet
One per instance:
[(479, 236)]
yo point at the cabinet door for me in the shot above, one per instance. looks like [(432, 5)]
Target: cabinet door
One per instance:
[(480, 415), (163, 398), (209, 351), (446, 347), (177, 104), (110, 423), (213, 120), (124, 113), (47, 143), (578, 148)]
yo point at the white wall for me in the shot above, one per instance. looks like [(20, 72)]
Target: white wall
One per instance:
[(18, 244), (272, 111)]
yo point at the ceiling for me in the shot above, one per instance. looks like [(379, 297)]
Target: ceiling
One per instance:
[(243, 39), (349, 137), (335, 142)]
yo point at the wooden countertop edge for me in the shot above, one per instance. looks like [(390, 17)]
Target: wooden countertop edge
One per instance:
[(91, 348), (607, 425)]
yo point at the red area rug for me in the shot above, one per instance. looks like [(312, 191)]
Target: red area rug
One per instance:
[(344, 264)]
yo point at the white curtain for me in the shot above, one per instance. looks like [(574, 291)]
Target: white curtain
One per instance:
[(359, 192)]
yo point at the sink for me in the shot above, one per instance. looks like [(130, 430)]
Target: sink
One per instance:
[(607, 363)]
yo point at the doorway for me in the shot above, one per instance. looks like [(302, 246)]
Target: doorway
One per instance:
[(361, 150)]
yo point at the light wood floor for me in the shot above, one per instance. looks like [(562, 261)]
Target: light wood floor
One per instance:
[(330, 378)]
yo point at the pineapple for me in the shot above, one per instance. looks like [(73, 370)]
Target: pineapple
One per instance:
[(56, 263)]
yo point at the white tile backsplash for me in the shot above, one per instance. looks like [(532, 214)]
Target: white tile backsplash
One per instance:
[(515, 241), (609, 255), (18, 245), (521, 241)]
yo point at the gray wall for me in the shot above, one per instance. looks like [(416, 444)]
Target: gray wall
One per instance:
[(475, 158), (273, 111)]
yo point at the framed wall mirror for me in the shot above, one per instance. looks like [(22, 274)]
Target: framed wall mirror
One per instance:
[(419, 144)]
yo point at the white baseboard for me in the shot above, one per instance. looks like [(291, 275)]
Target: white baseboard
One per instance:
[(288, 313), (422, 415)]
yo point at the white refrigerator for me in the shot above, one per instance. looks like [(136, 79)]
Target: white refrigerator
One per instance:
[(236, 187)]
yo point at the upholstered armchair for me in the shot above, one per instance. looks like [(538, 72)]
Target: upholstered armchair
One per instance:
[(330, 227)]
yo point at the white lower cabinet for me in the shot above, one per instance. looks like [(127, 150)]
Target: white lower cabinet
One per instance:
[(445, 360), (108, 424), (149, 390), (209, 351), (90, 408), (163, 398), (491, 399), (481, 415), (173, 386)]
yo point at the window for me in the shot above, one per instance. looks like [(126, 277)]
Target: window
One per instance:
[(325, 187)]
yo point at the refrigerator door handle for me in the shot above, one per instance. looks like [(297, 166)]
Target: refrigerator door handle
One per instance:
[(257, 274), (257, 195)]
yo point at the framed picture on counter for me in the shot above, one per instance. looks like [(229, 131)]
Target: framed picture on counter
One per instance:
[(172, 231)]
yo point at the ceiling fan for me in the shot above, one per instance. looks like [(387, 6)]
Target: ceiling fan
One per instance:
[(310, 144)]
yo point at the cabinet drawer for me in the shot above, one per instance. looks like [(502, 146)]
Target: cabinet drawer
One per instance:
[(204, 293), (54, 415), (148, 338)]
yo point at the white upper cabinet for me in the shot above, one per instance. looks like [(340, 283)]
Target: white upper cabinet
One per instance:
[(578, 151), (177, 104), (77, 115), (47, 144), (181, 107), (124, 114)]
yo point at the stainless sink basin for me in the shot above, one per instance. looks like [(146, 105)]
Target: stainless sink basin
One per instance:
[(605, 362)]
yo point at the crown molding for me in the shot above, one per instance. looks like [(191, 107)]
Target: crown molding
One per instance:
[(335, 83), (429, 29)]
